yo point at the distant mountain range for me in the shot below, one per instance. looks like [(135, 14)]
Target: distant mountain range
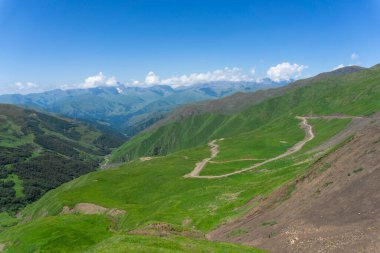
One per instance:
[(252, 159), (196, 124), (240, 101), (129, 109)]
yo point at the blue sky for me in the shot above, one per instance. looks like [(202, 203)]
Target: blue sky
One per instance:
[(49, 43)]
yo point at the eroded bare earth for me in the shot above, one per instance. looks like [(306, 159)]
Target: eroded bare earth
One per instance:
[(335, 208), (89, 208)]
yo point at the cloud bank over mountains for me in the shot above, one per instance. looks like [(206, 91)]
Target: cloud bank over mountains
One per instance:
[(281, 72), (20, 88), (233, 74), (285, 71), (99, 79)]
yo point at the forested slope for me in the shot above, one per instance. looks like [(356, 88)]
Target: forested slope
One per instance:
[(38, 152)]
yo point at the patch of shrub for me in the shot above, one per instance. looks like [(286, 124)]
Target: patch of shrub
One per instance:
[(358, 170), (269, 223)]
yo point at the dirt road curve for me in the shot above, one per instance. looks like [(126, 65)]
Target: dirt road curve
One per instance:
[(199, 166), (329, 209), (308, 137)]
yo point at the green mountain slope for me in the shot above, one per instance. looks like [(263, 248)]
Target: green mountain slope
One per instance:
[(155, 192), (40, 152), (79, 233), (239, 101), (129, 109), (169, 197), (355, 93), (150, 204)]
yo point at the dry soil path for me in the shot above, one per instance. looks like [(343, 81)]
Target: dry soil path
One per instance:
[(309, 135), (199, 166)]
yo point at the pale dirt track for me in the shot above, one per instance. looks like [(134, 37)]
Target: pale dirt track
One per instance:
[(237, 160), (309, 135), (199, 166), (333, 207)]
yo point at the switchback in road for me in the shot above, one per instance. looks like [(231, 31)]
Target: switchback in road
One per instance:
[(298, 146)]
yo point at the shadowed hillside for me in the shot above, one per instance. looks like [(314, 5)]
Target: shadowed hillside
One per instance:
[(40, 152)]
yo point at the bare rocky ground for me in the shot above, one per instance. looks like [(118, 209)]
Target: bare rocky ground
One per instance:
[(89, 208), (164, 229), (335, 207)]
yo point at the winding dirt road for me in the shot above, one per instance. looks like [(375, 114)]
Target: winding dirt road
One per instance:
[(199, 166), (309, 135)]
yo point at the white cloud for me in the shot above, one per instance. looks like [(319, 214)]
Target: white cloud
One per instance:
[(339, 67), (233, 74), (98, 80), (27, 85), (151, 78), (285, 71), (135, 83), (20, 88), (354, 56), (67, 87)]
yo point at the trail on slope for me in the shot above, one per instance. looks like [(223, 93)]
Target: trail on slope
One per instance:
[(237, 160), (309, 135), (199, 166)]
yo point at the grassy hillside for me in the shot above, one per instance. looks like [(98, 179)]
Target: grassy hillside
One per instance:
[(155, 191), (79, 233), (39, 152), (239, 101), (160, 210), (172, 244), (356, 93)]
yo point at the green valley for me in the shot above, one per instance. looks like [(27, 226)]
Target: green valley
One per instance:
[(39, 152), (149, 204), (192, 126)]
